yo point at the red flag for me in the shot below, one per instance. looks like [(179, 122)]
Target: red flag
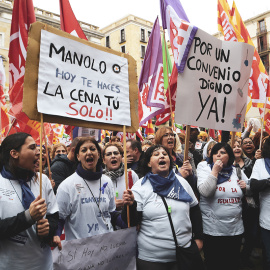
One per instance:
[(150, 129), (166, 115), (212, 133), (23, 15), (139, 134), (267, 126), (4, 117), (68, 20), (70, 25)]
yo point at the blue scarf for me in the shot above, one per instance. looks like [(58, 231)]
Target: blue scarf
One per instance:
[(224, 175), (27, 195), (169, 186), (88, 175), (267, 164)]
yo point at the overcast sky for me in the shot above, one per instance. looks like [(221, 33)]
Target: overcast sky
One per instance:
[(202, 13)]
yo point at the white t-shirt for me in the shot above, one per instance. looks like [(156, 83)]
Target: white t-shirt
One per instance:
[(79, 210), (155, 238), (24, 251), (120, 184), (259, 172), (222, 212)]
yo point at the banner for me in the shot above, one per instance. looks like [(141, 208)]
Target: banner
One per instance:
[(212, 91), (110, 251), (78, 81)]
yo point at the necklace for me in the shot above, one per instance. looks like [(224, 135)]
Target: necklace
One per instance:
[(98, 204), (17, 193)]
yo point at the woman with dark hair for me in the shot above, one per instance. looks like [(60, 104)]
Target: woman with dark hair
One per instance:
[(114, 169), (186, 169), (220, 202), (156, 246), (24, 232), (250, 204), (260, 183), (86, 198)]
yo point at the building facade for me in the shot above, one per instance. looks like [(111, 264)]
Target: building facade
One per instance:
[(259, 31), (92, 32), (128, 35)]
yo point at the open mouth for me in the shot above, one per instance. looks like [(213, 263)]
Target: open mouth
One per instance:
[(89, 160), (113, 162), (170, 142), (162, 162), (36, 163)]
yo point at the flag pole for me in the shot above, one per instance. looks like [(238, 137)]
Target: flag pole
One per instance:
[(187, 142), (47, 154), (264, 109), (40, 155), (169, 89), (233, 139), (1, 123), (12, 123), (125, 165)]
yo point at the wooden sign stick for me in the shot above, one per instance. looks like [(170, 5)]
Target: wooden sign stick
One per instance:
[(125, 165), (40, 156), (47, 154), (187, 142)]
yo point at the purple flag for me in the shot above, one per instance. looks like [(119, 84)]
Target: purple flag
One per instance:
[(151, 81), (180, 31), (176, 6)]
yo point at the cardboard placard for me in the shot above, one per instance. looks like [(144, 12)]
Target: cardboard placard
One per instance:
[(212, 90), (49, 87), (108, 251)]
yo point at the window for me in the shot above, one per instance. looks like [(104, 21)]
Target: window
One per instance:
[(123, 49), (142, 35), (262, 26), (149, 34), (142, 51), (122, 36), (108, 41), (265, 61), (2, 39)]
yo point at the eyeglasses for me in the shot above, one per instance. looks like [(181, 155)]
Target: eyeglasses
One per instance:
[(166, 135), (248, 142), (115, 153)]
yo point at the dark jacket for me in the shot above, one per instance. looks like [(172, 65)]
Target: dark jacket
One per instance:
[(191, 179), (61, 168)]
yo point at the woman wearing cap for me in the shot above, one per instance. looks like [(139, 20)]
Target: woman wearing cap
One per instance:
[(24, 232), (156, 246), (114, 169), (220, 202)]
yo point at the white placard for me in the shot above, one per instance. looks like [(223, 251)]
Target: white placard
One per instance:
[(212, 90), (109, 251), (82, 82)]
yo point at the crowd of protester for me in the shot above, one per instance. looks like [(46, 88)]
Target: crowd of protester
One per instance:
[(214, 204)]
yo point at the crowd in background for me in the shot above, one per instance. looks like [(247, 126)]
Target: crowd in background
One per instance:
[(217, 200)]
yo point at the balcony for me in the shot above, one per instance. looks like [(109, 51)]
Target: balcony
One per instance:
[(263, 49), (261, 30)]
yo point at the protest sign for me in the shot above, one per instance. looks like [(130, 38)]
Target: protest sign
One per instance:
[(109, 251), (75, 82), (79, 81), (212, 90), (89, 132)]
